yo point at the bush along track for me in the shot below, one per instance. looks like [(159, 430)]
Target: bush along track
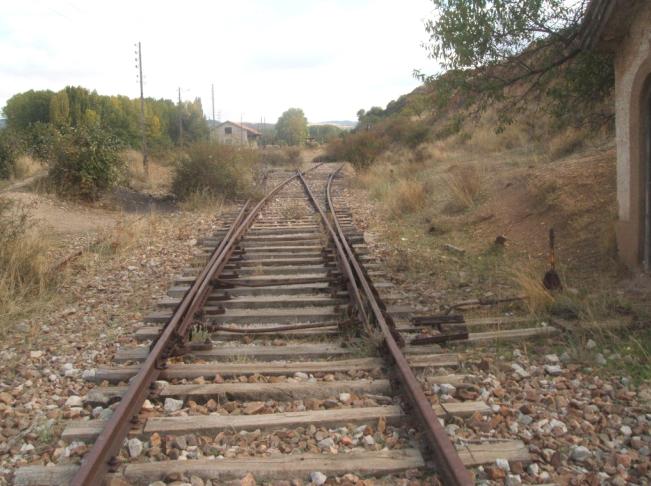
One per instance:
[(283, 372)]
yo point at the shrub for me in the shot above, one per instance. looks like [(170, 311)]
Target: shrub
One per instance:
[(220, 170), (359, 148), (287, 156), (42, 141), (405, 131), (323, 158), (87, 162)]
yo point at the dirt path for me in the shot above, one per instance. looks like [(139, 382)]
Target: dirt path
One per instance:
[(60, 217)]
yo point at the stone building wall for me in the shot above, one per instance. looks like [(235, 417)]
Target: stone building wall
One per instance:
[(632, 88)]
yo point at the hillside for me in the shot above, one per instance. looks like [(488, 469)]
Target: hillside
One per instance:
[(463, 211)]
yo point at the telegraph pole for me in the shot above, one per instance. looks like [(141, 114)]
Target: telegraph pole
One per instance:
[(213, 102), (212, 91), (145, 162), (180, 120)]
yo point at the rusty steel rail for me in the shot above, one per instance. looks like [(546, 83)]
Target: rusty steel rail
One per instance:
[(448, 462), (102, 455), (351, 283)]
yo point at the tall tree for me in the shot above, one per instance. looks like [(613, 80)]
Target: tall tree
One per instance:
[(60, 109), (291, 127), (25, 109)]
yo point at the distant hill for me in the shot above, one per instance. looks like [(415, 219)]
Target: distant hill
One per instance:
[(343, 124), (3, 122)]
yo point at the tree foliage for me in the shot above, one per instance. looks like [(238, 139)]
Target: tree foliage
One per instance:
[(24, 109), (510, 50), (75, 106), (324, 133), (291, 127), (86, 161), (9, 150)]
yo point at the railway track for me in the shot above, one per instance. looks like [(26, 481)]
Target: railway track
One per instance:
[(281, 354)]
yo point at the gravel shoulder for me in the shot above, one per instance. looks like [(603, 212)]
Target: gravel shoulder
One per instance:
[(100, 301), (582, 418)]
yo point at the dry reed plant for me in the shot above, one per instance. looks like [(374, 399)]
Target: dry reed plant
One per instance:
[(464, 185), (24, 271), (406, 196), (537, 298)]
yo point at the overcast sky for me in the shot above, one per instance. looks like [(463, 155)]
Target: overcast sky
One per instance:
[(330, 58)]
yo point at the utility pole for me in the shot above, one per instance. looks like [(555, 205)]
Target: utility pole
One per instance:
[(213, 103), (145, 162), (241, 130), (212, 91), (180, 120)]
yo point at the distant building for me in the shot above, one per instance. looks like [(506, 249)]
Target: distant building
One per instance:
[(623, 27), (232, 133)]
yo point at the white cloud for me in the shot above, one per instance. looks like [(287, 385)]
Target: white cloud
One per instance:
[(328, 57)]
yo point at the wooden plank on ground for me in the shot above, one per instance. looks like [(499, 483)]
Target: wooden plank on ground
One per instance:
[(462, 409), (281, 466), (209, 424), (89, 429), (252, 391), (209, 370), (509, 334), (146, 333), (259, 353), (43, 475), (488, 453), (483, 337), (449, 379)]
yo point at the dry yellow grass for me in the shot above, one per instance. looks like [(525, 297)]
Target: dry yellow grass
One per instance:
[(24, 271), (203, 201), (406, 196), (121, 237), (25, 167), (160, 176), (464, 185), (565, 143), (528, 282)]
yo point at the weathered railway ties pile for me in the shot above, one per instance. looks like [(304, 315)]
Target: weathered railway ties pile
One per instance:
[(282, 359)]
